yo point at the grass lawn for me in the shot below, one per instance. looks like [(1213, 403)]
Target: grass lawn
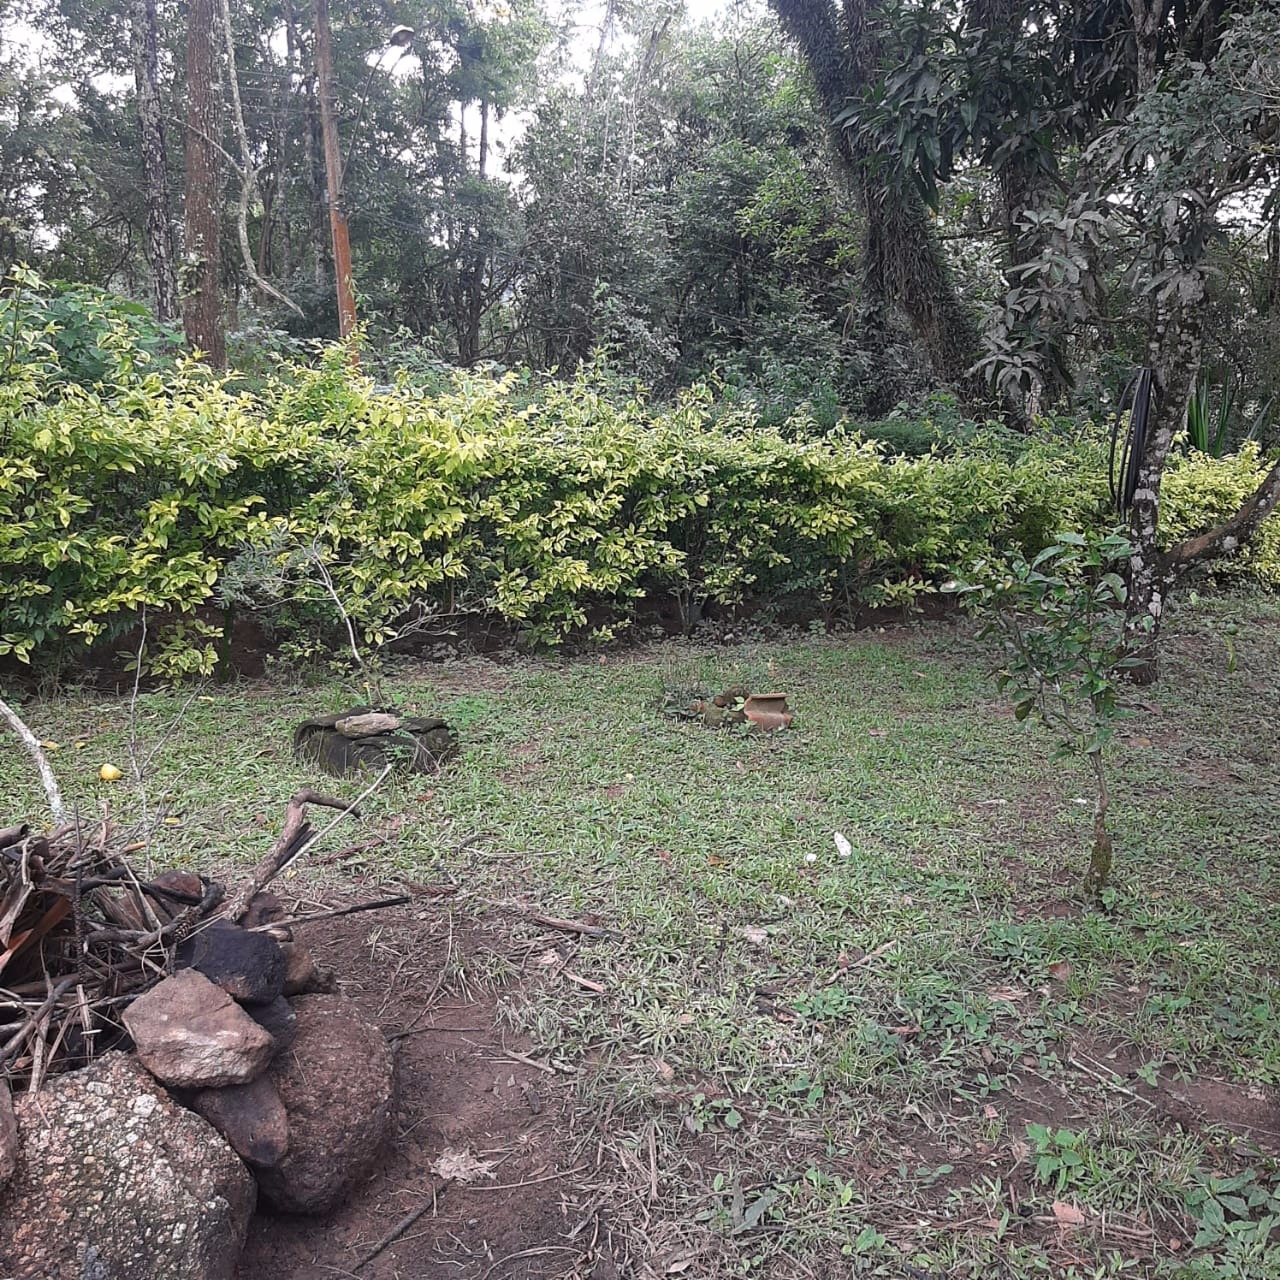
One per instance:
[(925, 1059)]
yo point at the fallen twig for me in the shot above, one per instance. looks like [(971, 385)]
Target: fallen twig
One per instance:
[(14, 1043), (438, 1186), (573, 926), (1111, 1081), (351, 850), (877, 953), (330, 915), (598, 987), (553, 922), (528, 1062), (528, 1182)]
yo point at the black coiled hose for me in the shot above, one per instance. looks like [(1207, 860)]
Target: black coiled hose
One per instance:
[(1124, 479)]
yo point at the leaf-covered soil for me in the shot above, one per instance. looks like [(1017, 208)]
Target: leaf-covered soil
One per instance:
[(928, 1057)]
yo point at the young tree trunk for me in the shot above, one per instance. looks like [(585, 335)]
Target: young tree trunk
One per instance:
[(1100, 858), (202, 310), (1174, 355), (155, 162)]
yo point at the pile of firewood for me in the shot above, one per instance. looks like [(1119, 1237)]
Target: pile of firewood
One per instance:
[(83, 934)]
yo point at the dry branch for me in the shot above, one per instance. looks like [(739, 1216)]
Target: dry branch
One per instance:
[(36, 752), (437, 1188), (313, 916), (293, 837)]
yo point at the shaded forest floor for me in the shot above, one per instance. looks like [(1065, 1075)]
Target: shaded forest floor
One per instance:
[(928, 1058)]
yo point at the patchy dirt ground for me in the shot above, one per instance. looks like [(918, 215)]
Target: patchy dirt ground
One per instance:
[(467, 1091), (925, 1055)]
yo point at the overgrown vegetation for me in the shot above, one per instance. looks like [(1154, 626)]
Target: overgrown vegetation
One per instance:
[(555, 506)]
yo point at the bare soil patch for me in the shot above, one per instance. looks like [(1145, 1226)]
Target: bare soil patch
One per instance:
[(463, 1091)]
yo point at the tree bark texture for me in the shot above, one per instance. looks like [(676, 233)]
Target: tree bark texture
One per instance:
[(155, 161), (902, 262), (1148, 19), (1175, 353), (202, 309)]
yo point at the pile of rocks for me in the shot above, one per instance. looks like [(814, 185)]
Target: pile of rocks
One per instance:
[(248, 1078)]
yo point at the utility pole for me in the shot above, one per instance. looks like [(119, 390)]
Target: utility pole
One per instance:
[(333, 174)]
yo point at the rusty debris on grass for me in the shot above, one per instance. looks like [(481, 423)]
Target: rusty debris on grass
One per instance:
[(736, 705)]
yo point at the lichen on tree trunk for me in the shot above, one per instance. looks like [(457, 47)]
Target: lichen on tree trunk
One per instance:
[(155, 163)]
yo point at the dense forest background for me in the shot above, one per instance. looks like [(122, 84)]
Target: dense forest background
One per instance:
[(997, 214)]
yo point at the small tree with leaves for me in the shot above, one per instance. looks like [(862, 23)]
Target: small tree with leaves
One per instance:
[(1060, 622)]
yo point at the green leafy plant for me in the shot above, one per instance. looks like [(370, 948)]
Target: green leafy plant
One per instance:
[(1057, 1155), (1059, 619), (1209, 420), (1242, 1206)]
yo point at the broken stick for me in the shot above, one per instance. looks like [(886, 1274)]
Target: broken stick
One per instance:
[(294, 839), (36, 752), (330, 915)]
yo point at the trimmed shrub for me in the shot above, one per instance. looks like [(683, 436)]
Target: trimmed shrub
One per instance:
[(175, 493)]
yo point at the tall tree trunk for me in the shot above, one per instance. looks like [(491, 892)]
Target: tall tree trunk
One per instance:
[(1024, 187), (155, 160), (202, 312), (333, 175), (310, 143), (1148, 20), (473, 288), (902, 263), (265, 262)]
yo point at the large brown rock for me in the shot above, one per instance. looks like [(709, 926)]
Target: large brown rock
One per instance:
[(250, 1116), (192, 1035), (115, 1180), (249, 966), (337, 1084)]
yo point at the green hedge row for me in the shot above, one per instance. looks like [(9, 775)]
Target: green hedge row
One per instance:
[(175, 491)]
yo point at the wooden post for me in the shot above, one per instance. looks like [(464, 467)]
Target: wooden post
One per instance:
[(333, 174)]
